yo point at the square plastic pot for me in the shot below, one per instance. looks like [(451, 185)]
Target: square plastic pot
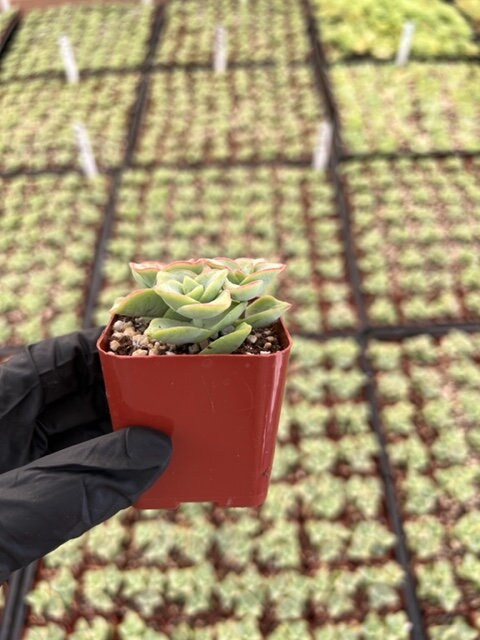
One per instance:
[(221, 412)]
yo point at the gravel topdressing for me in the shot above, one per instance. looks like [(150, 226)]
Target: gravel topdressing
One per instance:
[(128, 339)]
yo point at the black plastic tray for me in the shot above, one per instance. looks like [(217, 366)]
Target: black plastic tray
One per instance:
[(7, 34)]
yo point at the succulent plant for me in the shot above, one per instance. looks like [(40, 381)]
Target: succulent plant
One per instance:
[(340, 631), (51, 631), (466, 530), (101, 585), (134, 626), (422, 494), (328, 538), (437, 584), (425, 536), (394, 626), (96, 628), (278, 546), (194, 301), (54, 597), (145, 587), (290, 630), (456, 628), (233, 629), (370, 539)]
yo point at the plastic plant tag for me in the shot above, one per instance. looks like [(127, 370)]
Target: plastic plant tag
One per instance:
[(87, 159), (405, 46), (68, 57), (220, 57), (321, 153), (5, 5)]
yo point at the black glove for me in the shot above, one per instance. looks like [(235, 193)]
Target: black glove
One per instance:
[(62, 470)]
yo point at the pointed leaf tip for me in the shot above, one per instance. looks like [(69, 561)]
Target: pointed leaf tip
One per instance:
[(265, 310), (142, 302), (145, 273), (230, 342)]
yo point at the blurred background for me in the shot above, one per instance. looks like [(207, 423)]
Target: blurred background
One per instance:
[(342, 138)]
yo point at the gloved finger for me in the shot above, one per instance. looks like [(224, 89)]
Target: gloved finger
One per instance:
[(62, 495), (51, 386), (60, 424), (67, 364), (75, 435)]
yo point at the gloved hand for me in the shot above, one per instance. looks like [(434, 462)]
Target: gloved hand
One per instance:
[(62, 470)]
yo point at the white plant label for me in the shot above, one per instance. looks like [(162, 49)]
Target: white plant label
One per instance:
[(405, 46), (5, 5), (87, 159), (220, 58), (323, 149), (68, 57)]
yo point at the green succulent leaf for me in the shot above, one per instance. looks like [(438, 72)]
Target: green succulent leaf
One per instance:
[(142, 302), (249, 265), (192, 288), (145, 273), (212, 282), (189, 284), (221, 262), (206, 310), (225, 319), (230, 342), (246, 291), (185, 266), (265, 310), (236, 276), (267, 274), (175, 332), (246, 270), (173, 315), (178, 275), (171, 293)]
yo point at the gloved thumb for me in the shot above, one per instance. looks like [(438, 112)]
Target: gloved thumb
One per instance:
[(60, 496)]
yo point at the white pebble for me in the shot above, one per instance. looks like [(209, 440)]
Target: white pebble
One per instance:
[(140, 341)]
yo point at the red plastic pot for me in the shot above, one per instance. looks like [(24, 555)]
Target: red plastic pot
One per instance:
[(221, 412)]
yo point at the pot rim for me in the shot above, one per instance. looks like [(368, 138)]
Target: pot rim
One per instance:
[(286, 340)]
